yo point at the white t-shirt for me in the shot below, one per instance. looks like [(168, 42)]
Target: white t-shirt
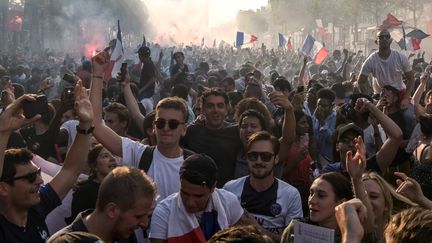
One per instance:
[(164, 171), (70, 127), (277, 206), (388, 71), (159, 223)]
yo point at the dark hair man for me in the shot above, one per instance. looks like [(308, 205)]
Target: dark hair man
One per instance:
[(273, 202), (199, 209), (24, 201)]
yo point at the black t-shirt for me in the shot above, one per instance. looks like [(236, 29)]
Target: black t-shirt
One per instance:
[(222, 145), (16, 141), (181, 78), (148, 72), (39, 144), (84, 198), (36, 229)]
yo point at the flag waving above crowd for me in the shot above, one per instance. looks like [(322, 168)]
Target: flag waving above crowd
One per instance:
[(242, 38), (314, 49)]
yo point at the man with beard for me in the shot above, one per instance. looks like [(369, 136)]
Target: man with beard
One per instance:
[(273, 202), (216, 138)]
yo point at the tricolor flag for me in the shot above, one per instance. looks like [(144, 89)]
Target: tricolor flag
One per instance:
[(117, 56), (314, 49), (284, 42), (242, 38), (412, 40)]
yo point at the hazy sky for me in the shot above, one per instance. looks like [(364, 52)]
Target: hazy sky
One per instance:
[(225, 10), (219, 11), (185, 21)]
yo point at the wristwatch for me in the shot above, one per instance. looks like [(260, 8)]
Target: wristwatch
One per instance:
[(84, 131)]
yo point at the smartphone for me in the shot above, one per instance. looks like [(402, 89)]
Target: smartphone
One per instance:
[(300, 89), (39, 106), (69, 78), (123, 71), (69, 93)]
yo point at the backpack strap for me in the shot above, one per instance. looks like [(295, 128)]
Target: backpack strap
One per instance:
[(146, 158), (187, 153)]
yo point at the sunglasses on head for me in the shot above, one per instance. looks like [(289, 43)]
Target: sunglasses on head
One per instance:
[(30, 177), (172, 123), (265, 156)]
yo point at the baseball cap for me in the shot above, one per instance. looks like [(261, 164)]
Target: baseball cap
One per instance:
[(347, 128)]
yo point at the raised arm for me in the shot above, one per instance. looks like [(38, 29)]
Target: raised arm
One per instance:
[(132, 105), (409, 89), (289, 123), (302, 71), (12, 119), (387, 153), (419, 109), (107, 137), (356, 165), (76, 157)]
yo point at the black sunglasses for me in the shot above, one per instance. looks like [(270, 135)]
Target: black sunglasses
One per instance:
[(30, 177), (265, 156), (172, 123)]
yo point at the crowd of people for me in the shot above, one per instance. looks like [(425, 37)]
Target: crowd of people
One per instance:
[(216, 145)]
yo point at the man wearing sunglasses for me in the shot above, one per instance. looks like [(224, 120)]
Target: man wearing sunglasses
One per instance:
[(24, 201), (388, 67), (169, 126), (273, 202)]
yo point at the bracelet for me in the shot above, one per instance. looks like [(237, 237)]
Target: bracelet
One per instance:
[(84, 131), (94, 76)]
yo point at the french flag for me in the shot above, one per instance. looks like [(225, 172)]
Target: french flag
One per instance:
[(117, 56), (242, 38), (284, 42), (314, 49)]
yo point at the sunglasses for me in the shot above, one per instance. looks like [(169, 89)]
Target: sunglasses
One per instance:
[(172, 123), (30, 177), (265, 156)]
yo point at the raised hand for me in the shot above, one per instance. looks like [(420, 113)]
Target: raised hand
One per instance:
[(83, 107), (279, 99), (356, 164), (409, 187), (8, 95), (100, 62), (12, 117), (351, 216)]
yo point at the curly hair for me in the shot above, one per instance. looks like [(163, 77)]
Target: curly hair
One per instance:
[(410, 226)]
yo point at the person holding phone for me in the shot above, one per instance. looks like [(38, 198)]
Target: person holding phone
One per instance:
[(25, 202)]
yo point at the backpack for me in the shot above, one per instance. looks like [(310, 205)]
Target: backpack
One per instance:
[(147, 157)]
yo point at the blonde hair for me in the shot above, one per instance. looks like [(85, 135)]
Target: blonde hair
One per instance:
[(388, 191)]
